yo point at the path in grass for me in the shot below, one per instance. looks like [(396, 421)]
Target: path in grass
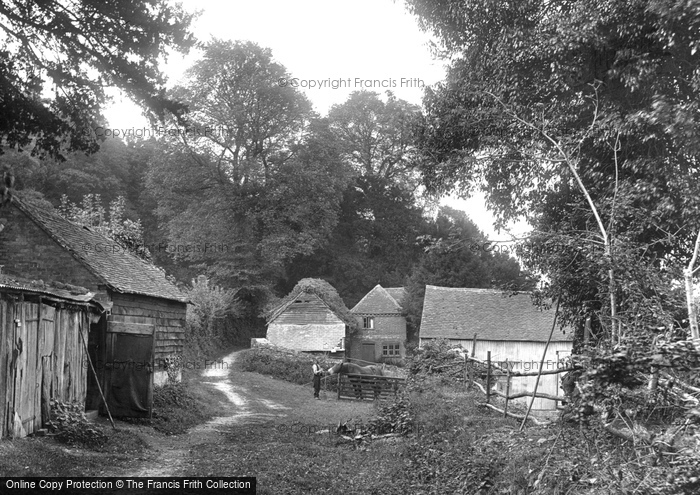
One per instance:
[(255, 403)]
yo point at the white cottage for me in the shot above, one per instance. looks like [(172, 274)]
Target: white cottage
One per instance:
[(508, 325), (312, 318)]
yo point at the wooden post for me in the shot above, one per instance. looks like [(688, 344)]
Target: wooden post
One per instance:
[(505, 409), (488, 376), (338, 386), (539, 372), (97, 379), (467, 380), (474, 346)]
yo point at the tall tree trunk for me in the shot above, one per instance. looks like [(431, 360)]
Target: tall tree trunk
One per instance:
[(690, 299)]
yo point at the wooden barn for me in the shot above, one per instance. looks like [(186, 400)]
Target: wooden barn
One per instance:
[(143, 328), (510, 326), (309, 320), (381, 333), (43, 338)]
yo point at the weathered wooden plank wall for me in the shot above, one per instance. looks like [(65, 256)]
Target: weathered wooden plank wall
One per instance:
[(41, 357), (523, 356)]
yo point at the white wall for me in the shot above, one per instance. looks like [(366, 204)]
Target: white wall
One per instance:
[(524, 356)]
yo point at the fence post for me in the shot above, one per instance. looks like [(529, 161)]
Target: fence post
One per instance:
[(488, 376), (338, 386), (467, 375), (505, 409)]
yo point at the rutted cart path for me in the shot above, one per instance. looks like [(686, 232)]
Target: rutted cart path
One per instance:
[(253, 403)]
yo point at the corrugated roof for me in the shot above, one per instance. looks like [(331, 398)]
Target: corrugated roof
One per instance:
[(458, 313), (120, 271), (377, 301), (56, 289)]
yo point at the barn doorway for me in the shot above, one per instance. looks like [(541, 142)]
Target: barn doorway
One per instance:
[(129, 368)]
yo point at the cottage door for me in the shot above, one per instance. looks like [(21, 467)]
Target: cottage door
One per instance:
[(368, 352), (129, 368)]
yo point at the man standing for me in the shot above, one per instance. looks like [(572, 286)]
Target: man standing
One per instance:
[(318, 371)]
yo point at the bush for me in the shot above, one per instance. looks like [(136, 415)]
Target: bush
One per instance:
[(71, 426), (175, 409)]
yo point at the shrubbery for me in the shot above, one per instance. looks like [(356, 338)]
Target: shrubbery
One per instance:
[(175, 409), (285, 365), (432, 358)]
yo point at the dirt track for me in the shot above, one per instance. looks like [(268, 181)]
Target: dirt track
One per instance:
[(254, 402)]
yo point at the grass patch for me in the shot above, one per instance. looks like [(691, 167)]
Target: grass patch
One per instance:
[(46, 456)]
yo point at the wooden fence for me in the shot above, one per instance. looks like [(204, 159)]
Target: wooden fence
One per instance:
[(370, 387), (477, 370)]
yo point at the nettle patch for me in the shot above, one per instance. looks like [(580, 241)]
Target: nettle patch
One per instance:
[(70, 425), (393, 417)]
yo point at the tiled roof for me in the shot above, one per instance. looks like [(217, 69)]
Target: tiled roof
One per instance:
[(457, 313), (398, 293), (120, 271), (377, 301)]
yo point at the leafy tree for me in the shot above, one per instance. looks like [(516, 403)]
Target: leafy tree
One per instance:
[(380, 215), (250, 181), (457, 254), (582, 115), (546, 102), (112, 224), (209, 303), (78, 48), (104, 172), (377, 137), (373, 242)]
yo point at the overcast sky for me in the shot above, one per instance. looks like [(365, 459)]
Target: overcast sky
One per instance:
[(319, 42)]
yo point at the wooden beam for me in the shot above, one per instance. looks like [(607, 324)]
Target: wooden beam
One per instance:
[(539, 395), (518, 373), (514, 415), (132, 328)]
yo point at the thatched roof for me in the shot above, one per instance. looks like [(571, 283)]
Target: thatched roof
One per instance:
[(325, 291)]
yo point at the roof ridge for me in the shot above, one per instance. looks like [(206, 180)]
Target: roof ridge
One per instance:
[(377, 289), (478, 289)]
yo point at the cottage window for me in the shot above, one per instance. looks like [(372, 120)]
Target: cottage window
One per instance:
[(391, 350), (368, 322)]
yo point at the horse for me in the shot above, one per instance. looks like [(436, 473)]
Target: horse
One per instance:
[(346, 368)]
